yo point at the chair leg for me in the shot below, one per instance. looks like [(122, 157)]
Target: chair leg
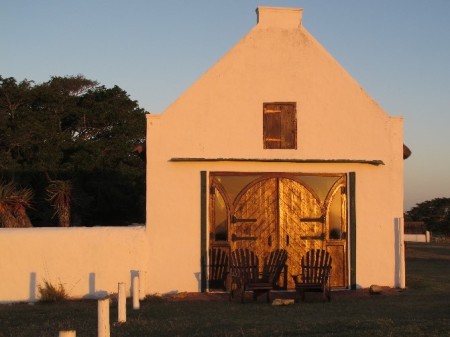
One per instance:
[(268, 296), (232, 289), (296, 296), (326, 294)]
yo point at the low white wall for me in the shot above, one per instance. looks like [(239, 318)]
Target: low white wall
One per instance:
[(417, 237), (87, 261)]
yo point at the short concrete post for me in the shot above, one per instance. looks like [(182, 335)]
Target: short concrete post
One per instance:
[(122, 304), (68, 333), (136, 304), (103, 317)]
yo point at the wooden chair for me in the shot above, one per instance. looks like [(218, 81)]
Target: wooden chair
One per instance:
[(217, 268), (273, 266), (245, 272), (315, 276)]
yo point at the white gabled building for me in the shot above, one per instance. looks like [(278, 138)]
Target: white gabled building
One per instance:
[(275, 146)]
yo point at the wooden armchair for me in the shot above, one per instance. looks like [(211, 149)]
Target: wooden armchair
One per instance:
[(315, 276), (273, 266), (245, 272), (217, 268)]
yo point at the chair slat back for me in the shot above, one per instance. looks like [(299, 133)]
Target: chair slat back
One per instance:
[(316, 266), (244, 265), (273, 265), (218, 264)]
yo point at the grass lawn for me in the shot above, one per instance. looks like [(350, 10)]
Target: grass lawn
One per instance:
[(423, 309)]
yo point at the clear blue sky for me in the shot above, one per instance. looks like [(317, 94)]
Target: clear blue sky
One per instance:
[(398, 50)]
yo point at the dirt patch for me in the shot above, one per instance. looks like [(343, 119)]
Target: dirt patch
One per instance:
[(223, 296)]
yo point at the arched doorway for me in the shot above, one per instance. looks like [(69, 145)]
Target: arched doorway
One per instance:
[(296, 212)]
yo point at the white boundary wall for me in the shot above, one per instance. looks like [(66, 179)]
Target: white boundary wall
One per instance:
[(87, 261), (418, 237)]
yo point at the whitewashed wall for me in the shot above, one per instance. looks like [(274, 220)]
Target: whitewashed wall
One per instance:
[(88, 262), (418, 237)]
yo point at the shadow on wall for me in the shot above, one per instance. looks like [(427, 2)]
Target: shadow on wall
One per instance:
[(33, 287), (134, 273), (93, 293), (198, 277)]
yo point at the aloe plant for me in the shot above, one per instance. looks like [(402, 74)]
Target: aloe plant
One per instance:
[(59, 193), (13, 204), (22, 202)]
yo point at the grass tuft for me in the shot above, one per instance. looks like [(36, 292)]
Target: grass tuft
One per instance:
[(51, 293)]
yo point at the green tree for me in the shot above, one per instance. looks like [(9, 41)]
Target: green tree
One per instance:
[(435, 213), (14, 104), (72, 128)]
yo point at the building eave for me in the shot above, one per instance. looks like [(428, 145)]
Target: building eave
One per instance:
[(375, 162)]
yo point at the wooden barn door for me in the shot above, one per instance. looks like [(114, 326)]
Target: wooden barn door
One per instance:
[(272, 212), (269, 214), (300, 223), (254, 223)]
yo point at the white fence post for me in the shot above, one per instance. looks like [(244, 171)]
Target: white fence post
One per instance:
[(68, 333), (122, 303), (401, 248), (136, 304), (402, 252), (103, 317)]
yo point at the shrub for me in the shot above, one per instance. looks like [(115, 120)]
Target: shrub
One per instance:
[(52, 293)]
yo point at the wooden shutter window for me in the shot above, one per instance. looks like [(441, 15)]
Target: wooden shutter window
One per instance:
[(272, 128), (280, 125)]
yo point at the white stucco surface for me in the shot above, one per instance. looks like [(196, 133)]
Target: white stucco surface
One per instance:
[(88, 262), (220, 116)]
